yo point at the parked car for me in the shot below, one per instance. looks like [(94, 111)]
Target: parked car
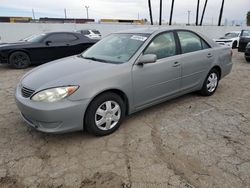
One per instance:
[(230, 39), (91, 33), (247, 52), (41, 48), (244, 40), (123, 73)]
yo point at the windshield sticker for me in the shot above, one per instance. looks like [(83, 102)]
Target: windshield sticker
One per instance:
[(137, 37)]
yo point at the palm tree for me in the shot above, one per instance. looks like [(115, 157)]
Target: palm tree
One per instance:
[(150, 12), (197, 12), (221, 12), (160, 12), (203, 12), (171, 13)]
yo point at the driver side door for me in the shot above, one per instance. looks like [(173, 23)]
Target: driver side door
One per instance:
[(154, 82)]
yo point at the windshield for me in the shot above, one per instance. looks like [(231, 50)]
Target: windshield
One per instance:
[(34, 38), (231, 35), (116, 48)]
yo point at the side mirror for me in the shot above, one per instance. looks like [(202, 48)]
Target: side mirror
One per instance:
[(148, 58), (48, 42)]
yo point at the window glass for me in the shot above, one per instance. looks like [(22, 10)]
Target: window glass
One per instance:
[(116, 48), (189, 42), (246, 33), (61, 37), (204, 44), (162, 46)]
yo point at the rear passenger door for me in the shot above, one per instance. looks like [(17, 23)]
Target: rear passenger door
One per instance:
[(196, 59)]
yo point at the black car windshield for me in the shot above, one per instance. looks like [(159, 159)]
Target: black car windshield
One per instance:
[(34, 38), (116, 48)]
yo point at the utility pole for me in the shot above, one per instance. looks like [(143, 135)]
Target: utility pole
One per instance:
[(171, 13), (65, 13), (150, 12), (87, 10), (33, 13), (197, 13), (160, 12), (189, 12), (221, 12)]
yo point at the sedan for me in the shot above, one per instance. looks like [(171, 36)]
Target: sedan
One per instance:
[(42, 48), (123, 73)]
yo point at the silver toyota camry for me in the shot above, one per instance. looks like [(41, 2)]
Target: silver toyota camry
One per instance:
[(123, 73)]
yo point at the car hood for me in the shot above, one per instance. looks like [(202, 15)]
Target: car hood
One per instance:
[(67, 71), (224, 39), (14, 44)]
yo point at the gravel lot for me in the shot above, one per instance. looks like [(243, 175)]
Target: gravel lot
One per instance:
[(191, 141)]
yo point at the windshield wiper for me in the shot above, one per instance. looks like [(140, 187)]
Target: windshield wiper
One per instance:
[(95, 59)]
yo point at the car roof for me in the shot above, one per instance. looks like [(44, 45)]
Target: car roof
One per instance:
[(145, 30), (60, 32)]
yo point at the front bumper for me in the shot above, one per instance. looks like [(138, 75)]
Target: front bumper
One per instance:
[(59, 117)]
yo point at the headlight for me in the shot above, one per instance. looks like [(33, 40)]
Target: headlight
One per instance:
[(54, 94)]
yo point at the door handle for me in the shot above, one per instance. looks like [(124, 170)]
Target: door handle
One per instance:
[(176, 64), (209, 55)]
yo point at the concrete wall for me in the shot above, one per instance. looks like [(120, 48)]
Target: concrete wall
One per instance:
[(11, 32)]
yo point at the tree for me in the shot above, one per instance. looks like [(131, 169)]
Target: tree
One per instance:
[(197, 12), (171, 13), (203, 12), (248, 18), (160, 12), (150, 12), (221, 12)]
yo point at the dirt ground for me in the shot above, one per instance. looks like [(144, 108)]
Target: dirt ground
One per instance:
[(191, 141)]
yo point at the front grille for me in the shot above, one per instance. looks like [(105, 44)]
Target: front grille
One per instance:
[(26, 92)]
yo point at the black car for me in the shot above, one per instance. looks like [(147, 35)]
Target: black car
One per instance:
[(247, 52), (244, 40), (42, 48)]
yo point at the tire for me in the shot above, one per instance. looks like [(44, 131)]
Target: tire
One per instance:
[(109, 110), (234, 45), (213, 76), (19, 60), (247, 59)]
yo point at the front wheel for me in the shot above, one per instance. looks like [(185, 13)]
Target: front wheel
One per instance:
[(19, 60), (211, 83), (105, 114)]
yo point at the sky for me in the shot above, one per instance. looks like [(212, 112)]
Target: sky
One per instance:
[(126, 9)]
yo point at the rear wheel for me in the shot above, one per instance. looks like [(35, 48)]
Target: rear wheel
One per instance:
[(19, 60), (105, 114), (247, 59), (211, 83)]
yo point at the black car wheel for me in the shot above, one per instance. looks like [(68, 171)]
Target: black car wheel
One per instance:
[(105, 114), (19, 60), (211, 83), (234, 45), (247, 59)]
